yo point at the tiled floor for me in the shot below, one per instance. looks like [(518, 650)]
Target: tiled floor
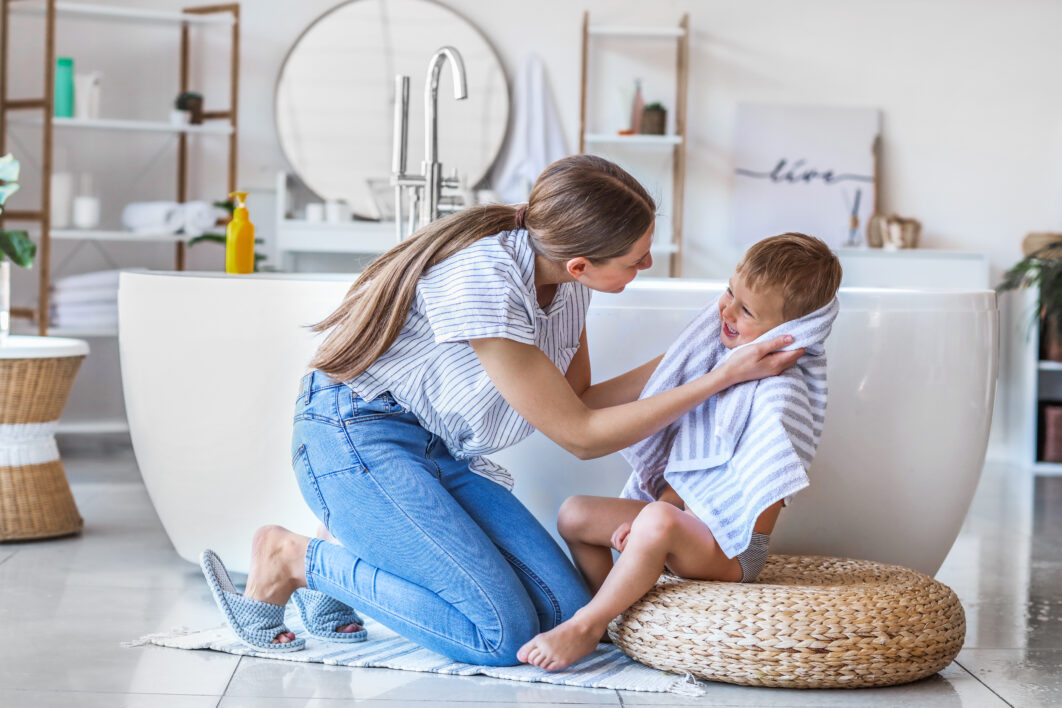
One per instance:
[(65, 605)]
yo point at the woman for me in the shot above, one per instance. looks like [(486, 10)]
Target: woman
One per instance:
[(452, 345)]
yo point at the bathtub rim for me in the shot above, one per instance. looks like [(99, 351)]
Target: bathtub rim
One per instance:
[(853, 299)]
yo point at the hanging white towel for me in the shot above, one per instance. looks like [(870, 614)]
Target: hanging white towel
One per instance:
[(744, 448), (536, 139)]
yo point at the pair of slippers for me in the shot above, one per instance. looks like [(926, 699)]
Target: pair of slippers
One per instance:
[(258, 623)]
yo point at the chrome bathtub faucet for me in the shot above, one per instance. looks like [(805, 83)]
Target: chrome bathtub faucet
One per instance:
[(426, 199)]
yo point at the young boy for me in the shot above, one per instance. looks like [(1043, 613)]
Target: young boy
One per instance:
[(706, 491)]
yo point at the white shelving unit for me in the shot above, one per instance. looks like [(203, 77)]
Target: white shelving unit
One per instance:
[(39, 111), (133, 126), (657, 141), (674, 144), (78, 9), (1041, 381)]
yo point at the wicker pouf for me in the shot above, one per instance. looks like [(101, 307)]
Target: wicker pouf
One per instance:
[(807, 622), (36, 374)]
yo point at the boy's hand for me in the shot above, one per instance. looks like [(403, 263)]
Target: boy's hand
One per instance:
[(619, 536)]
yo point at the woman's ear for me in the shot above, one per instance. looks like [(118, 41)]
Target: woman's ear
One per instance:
[(576, 266)]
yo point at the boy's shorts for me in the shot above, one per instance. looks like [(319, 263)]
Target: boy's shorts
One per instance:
[(753, 558)]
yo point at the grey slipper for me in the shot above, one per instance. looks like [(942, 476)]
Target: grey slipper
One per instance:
[(321, 614), (256, 623)]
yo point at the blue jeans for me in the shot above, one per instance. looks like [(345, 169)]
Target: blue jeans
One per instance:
[(441, 555)]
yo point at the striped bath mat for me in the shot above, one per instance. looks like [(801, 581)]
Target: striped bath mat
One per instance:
[(606, 667)]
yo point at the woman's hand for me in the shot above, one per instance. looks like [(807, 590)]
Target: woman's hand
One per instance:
[(756, 361), (619, 536)]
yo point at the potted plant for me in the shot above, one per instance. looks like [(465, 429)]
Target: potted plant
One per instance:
[(192, 103), (1042, 269), (15, 246), (654, 118)]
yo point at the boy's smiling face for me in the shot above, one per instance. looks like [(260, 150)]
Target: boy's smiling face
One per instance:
[(746, 313)]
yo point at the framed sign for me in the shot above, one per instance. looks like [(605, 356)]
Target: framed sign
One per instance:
[(809, 169)]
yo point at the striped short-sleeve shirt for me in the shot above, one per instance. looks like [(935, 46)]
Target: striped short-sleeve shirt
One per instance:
[(484, 290)]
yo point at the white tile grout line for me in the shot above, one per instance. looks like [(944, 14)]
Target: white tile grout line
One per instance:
[(228, 683), (978, 679)]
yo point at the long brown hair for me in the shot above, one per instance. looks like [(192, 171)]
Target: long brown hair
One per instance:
[(580, 205)]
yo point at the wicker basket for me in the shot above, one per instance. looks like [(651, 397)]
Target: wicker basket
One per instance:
[(808, 622), (35, 498)]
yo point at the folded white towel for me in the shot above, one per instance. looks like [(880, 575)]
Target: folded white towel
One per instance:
[(744, 448), (72, 296), (79, 309), (92, 280), (153, 217), (88, 321)]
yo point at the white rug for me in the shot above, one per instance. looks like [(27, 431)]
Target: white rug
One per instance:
[(606, 667)]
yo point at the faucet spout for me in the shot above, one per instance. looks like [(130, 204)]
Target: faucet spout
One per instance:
[(431, 97)]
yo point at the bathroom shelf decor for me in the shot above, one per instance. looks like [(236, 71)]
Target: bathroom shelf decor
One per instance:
[(1038, 278), (40, 111), (674, 143)]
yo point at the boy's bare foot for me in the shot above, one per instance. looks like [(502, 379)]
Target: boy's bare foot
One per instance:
[(561, 646), (277, 569)]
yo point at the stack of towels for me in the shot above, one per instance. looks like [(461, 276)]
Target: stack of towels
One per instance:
[(86, 301), (190, 218)]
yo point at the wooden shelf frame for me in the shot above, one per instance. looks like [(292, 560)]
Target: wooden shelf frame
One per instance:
[(676, 142), (222, 15)]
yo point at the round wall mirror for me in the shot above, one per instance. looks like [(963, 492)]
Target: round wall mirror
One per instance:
[(336, 91)]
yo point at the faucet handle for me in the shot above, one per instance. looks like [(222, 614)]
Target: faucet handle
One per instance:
[(453, 181)]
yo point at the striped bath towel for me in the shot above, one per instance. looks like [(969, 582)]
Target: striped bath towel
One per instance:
[(744, 448)]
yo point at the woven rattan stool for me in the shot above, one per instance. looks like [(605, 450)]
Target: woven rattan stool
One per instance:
[(807, 622), (36, 374)]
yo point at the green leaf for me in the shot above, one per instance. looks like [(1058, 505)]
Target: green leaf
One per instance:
[(1041, 270), (8, 168), (6, 190), (17, 246), (216, 238)]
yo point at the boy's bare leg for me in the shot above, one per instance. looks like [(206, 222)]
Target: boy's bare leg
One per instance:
[(661, 534), (586, 523)]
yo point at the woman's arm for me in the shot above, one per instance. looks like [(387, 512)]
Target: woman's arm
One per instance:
[(529, 381), (620, 389)]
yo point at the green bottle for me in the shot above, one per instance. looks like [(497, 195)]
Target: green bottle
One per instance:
[(64, 87)]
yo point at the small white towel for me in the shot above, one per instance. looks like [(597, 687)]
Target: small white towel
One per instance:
[(153, 217), (191, 218), (536, 139), (744, 448), (199, 217)]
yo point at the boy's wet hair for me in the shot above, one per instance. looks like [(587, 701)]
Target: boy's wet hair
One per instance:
[(801, 268)]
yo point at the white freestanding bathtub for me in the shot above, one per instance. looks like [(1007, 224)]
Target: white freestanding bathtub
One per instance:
[(211, 366)]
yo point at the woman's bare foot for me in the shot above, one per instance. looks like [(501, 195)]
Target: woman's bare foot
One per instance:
[(277, 569), (563, 645)]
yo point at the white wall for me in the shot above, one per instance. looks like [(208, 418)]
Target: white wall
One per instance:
[(972, 112)]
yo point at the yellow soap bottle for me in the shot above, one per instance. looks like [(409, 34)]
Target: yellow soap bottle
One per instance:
[(239, 238)]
